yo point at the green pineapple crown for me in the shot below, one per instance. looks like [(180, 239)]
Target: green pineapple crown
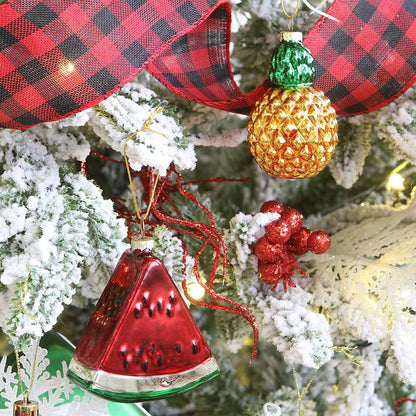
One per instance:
[(292, 63)]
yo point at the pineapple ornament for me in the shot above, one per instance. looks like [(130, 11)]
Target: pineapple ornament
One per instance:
[(292, 129)]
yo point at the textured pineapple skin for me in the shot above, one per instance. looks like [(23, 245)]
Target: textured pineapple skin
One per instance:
[(292, 131)]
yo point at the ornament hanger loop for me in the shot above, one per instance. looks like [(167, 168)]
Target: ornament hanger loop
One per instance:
[(22, 289), (26, 393), (290, 16), (146, 127)]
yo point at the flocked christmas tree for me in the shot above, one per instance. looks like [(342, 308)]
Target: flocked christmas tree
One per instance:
[(339, 342)]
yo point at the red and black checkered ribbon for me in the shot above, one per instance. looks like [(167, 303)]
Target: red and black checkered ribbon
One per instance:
[(369, 57), (60, 57)]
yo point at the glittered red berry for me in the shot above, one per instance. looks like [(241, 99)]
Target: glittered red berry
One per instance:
[(294, 217), (267, 252), (270, 273), (278, 232), (272, 206), (319, 242), (298, 242)]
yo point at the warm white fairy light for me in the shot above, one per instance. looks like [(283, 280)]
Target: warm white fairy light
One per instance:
[(196, 291), (395, 182), (67, 68), (70, 67)]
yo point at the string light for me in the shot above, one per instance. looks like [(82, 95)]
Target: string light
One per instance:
[(196, 291), (67, 68), (395, 182)]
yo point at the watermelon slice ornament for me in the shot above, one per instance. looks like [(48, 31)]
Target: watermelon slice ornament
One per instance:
[(141, 343)]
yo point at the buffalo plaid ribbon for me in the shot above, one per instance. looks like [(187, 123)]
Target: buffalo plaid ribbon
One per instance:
[(60, 57), (369, 57)]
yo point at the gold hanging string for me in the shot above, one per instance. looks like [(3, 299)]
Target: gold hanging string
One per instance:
[(19, 371), (23, 288), (146, 127), (304, 392), (289, 16)]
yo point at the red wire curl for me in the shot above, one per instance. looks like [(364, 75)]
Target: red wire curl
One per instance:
[(398, 401)]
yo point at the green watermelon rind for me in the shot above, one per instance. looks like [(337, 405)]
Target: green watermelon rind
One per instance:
[(130, 389)]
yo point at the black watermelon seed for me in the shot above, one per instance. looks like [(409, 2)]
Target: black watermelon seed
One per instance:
[(152, 349), (146, 297), (178, 347), (151, 311), (136, 313), (194, 347), (140, 352), (168, 311), (159, 305), (159, 360), (123, 351), (145, 364), (125, 363), (172, 297)]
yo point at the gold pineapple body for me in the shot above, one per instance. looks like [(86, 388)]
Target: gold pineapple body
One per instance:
[(293, 131)]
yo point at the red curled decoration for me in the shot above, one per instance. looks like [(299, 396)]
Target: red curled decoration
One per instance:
[(208, 234), (398, 401)]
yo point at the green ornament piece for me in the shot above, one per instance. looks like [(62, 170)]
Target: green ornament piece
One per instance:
[(127, 397), (61, 350), (292, 63)]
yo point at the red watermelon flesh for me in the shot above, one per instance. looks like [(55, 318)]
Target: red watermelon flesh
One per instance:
[(141, 327)]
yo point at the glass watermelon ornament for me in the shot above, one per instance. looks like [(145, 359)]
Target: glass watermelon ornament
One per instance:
[(141, 342)]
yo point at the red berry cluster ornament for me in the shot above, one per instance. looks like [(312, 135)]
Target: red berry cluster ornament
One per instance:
[(285, 238)]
